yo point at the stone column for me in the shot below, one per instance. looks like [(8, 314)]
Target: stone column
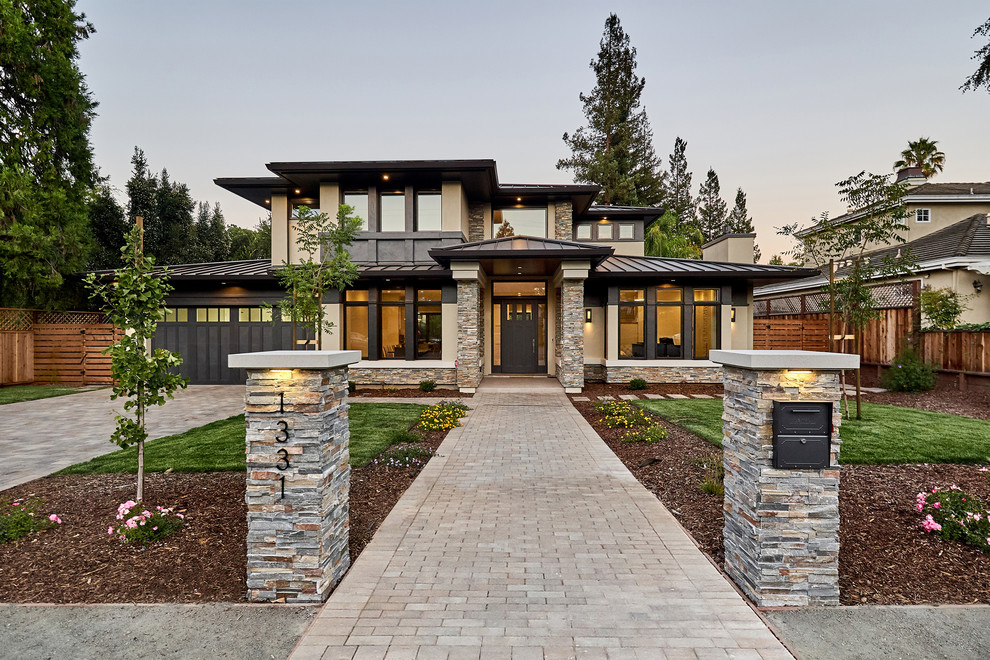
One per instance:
[(570, 344), (470, 325), (298, 472), (781, 524)]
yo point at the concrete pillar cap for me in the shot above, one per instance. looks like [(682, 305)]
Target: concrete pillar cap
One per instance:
[(780, 360), (293, 359)]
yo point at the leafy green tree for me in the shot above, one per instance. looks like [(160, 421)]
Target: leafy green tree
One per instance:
[(776, 260), (677, 186), (712, 211), (326, 264), (942, 307), (134, 301), (46, 164), (923, 153), (175, 207), (877, 212), (109, 226), (667, 237), (980, 77), (251, 243), (212, 239), (615, 148), (740, 222)]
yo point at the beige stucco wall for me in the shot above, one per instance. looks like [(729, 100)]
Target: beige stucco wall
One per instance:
[(732, 249), (612, 333), (332, 341), (594, 336), (961, 281), (453, 207), (741, 335), (448, 332), (280, 229), (625, 248)]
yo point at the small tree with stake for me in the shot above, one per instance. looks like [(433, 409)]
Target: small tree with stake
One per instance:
[(325, 264), (134, 301), (877, 208)]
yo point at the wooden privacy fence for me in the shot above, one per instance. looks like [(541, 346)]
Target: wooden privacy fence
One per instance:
[(54, 347), (957, 350)]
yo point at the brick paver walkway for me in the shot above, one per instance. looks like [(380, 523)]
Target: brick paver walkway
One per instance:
[(527, 538)]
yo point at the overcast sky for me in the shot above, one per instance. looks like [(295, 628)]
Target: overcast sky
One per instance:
[(782, 98)]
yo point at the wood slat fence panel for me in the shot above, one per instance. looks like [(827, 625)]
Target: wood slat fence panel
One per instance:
[(72, 353), (16, 357)]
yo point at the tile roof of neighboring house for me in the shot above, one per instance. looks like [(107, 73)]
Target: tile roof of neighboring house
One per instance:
[(618, 265), (966, 238)]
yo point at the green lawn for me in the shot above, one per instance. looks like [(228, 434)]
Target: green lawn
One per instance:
[(219, 446), (18, 393), (886, 434)]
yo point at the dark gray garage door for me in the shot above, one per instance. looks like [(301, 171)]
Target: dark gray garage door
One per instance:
[(204, 337)]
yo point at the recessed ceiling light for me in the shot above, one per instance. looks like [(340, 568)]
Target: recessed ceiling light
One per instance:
[(297, 191), (385, 177), (268, 201), (518, 199)]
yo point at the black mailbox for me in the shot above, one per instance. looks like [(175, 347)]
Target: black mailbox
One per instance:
[(802, 434)]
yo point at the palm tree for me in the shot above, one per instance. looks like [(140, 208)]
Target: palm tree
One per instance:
[(922, 153), (666, 237)]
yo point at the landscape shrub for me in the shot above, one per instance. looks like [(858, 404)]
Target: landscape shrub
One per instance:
[(941, 307), (621, 414), (953, 514), (21, 517), (441, 417), (427, 385), (637, 384), (713, 473), (351, 386), (908, 373), (144, 527)]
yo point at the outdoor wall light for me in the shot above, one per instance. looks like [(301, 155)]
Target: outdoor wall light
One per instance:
[(587, 315), (733, 314), (978, 285), (281, 373)]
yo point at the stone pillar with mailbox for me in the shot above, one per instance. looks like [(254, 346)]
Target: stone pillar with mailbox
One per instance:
[(781, 456), (298, 472)]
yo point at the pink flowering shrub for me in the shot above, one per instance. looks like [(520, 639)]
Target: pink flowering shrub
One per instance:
[(955, 515), (18, 518), (144, 526)]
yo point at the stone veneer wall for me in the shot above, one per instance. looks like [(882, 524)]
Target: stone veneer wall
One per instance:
[(297, 545), (403, 375), (476, 222), (470, 333), (781, 526), (594, 373), (571, 345), (563, 221), (664, 374)]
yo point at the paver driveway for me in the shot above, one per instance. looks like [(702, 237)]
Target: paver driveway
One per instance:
[(40, 437), (527, 538)]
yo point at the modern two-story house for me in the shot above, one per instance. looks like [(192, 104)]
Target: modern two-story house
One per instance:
[(947, 235), (462, 276)]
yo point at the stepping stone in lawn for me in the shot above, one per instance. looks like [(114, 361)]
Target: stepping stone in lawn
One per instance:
[(678, 396), (654, 396), (629, 397), (702, 396), (719, 396), (606, 397), (580, 398)]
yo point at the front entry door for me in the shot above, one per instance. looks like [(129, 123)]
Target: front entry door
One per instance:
[(519, 341)]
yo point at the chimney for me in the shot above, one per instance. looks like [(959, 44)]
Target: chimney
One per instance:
[(733, 248), (911, 177)]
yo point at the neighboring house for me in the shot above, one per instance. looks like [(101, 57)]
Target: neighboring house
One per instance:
[(947, 234), (462, 276)]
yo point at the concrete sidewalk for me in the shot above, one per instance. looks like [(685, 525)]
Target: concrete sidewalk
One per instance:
[(527, 538), (40, 437)]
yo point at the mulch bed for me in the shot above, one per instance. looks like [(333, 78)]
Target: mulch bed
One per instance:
[(974, 401), (885, 558), (411, 393), (78, 562), (593, 390)]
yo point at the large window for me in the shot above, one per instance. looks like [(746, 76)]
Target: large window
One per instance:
[(632, 329), (520, 222), (429, 327), (359, 202), (393, 211), (668, 322), (706, 322), (356, 321), (428, 211), (392, 303)]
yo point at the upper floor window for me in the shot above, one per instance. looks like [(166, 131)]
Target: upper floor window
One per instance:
[(605, 232), (583, 232), (520, 222), (428, 211), (627, 232), (393, 211), (922, 215), (359, 202)]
